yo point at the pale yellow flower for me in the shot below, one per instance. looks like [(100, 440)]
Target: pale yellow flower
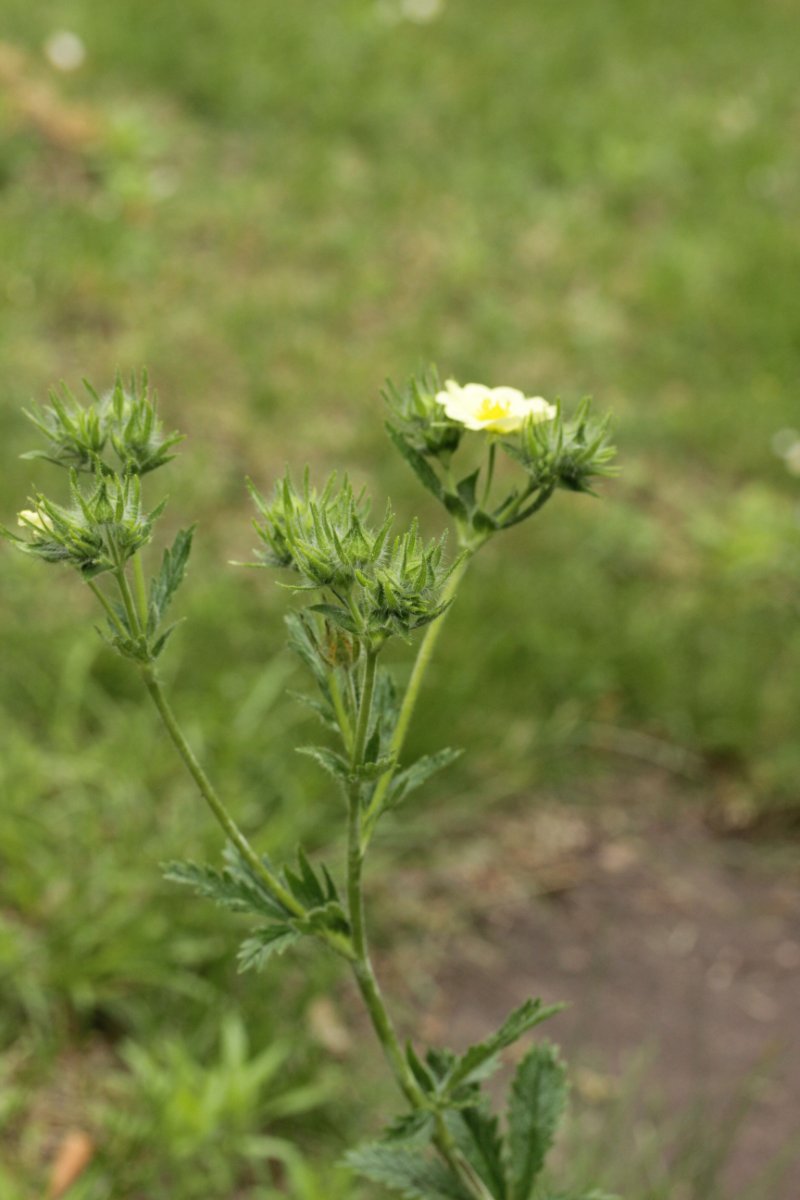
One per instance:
[(497, 410), (30, 519)]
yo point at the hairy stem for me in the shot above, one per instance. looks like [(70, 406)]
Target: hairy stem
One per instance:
[(141, 588), (362, 966), (421, 664), (365, 708), (127, 599), (209, 794), (106, 603), (339, 708)]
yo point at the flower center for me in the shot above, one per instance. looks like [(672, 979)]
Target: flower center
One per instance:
[(491, 409)]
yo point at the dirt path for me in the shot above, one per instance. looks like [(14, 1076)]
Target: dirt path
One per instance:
[(656, 932)]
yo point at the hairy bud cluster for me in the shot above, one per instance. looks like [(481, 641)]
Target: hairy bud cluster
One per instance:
[(421, 419), (97, 532), (382, 585), (123, 421), (566, 454)]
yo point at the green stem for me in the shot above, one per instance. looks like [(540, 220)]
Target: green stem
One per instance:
[(209, 794), (362, 965), (379, 1016), (365, 708), (141, 589), (424, 655), (489, 473), (127, 599), (341, 712), (106, 603)]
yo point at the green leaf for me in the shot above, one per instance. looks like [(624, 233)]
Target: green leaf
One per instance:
[(538, 1098), (329, 760), (466, 489), (415, 1127), (413, 777), (170, 577), (593, 1195), (477, 1134), (418, 1069), (419, 465), (406, 1172), (327, 918), (232, 887), (306, 886), (256, 951), (339, 616), (479, 1060), (303, 642), (373, 770)]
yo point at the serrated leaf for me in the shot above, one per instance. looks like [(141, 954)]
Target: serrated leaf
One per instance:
[(477, 1134), (326, 918), (170, 577), (256, 951), (336, 766), (339, 616), (441, 1061), (321, 707), (418, 1069), (413, 777), (373, 770), (406, 1172), (538, 1098), (231, 887), (415, 1127), (373, 747), (419, 465), (478, 1060)]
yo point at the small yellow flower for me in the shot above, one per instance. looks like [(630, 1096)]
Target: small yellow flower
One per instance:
[(30, 519), (497, 410)]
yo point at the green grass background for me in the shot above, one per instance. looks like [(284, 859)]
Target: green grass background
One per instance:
[(284, 204)]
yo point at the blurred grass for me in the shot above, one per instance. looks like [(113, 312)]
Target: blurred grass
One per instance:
[(277, 206)]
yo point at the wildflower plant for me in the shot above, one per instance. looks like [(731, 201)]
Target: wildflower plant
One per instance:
[(360, 581)]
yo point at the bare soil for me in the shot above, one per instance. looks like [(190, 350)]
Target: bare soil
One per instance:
[(657, 932)]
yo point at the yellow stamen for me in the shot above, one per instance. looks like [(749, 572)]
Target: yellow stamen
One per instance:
[(492, 410)]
